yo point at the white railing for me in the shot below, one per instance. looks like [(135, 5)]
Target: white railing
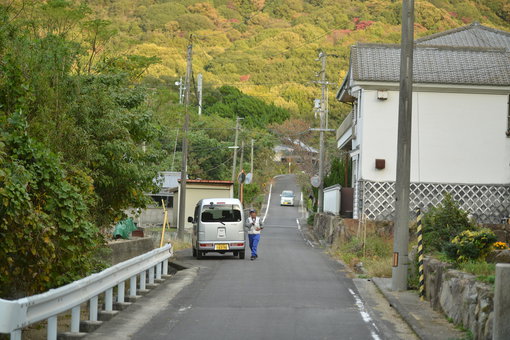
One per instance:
[(14, 315)]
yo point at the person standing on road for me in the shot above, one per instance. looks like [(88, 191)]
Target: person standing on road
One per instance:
[(254, 225)]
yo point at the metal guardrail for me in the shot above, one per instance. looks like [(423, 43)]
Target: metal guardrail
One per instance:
[(16, 314)]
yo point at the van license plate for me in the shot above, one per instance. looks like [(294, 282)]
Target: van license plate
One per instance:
[(221, 247)]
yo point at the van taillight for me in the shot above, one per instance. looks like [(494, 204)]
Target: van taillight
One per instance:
[(237, 244), (206, 244)]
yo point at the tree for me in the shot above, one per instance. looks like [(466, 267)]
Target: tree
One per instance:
[(46, 235)]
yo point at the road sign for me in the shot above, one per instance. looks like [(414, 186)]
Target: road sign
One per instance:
[(241, 178), (249, 178), (316, 181)]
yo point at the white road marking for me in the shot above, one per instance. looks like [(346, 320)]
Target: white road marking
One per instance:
[(364, 314), (302, 206), (183, 309), (298, 224), (310, 243), (268, 202)]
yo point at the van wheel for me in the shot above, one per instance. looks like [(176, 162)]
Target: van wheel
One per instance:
[(241, 255), (194, 252), (236, 253), (200, 254)]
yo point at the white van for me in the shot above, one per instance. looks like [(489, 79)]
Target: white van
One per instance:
[(287, 197), (218, 226)]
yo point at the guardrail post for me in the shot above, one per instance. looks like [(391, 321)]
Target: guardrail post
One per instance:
[(108, 300), (51, 331), (16, 335), (165, 267), (93, 309), (143, 278), (120, 291), (151, 275), (132, 286), (75, 319), (158, 271)]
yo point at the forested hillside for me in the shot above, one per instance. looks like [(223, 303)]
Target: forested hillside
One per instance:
[(267, 48)]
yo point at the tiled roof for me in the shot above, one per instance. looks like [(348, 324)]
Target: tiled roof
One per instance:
[(474, 35), (433, 64)]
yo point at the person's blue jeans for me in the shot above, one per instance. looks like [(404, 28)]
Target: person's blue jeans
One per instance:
[(254, 242)]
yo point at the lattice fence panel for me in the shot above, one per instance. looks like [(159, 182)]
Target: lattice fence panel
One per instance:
[(487, 203)]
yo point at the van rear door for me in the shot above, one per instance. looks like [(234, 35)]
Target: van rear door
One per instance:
[(222, 222)]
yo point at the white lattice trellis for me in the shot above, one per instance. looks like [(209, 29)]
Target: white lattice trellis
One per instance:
[(487, 203)]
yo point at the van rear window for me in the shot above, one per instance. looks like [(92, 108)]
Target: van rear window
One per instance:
[(221, 213)]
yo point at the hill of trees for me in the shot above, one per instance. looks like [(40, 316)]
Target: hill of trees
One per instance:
[(267, 48)]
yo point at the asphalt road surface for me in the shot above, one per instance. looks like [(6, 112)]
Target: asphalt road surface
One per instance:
[(292, 291)]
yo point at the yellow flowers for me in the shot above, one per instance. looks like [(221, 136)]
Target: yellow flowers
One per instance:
[(500, 245)]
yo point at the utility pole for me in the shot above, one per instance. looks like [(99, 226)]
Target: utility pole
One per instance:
[(320, 203), (235, 150), (251, 158), (242, 157), (403, 180), (199, 88), (184, 170)]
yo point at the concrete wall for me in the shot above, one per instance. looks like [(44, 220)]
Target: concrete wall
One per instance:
[(457, 137), (151, 217), (332, 199), (123, 250)]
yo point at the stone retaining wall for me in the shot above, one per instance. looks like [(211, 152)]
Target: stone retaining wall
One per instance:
[(502, 231), (460, 296), (329, 227)]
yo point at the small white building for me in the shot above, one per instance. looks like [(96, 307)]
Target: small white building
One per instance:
[(460, 123)]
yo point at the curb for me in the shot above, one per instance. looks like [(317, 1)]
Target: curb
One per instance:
[(404, 314)]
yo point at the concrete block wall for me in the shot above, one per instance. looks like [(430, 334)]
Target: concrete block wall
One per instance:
[(123, 250)]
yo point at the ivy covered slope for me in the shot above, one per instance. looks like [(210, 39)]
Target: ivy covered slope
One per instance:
[(268, 48)]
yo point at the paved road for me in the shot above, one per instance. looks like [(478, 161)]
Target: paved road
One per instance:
[(293, 291)]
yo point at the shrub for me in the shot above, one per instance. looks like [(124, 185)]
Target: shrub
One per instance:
[(442, 223), (471, 245), (310, 219)]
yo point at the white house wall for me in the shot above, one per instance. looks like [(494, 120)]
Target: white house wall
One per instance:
[(456, 137)]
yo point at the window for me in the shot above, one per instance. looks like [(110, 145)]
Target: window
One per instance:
[(287, 193), (221, 213)]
